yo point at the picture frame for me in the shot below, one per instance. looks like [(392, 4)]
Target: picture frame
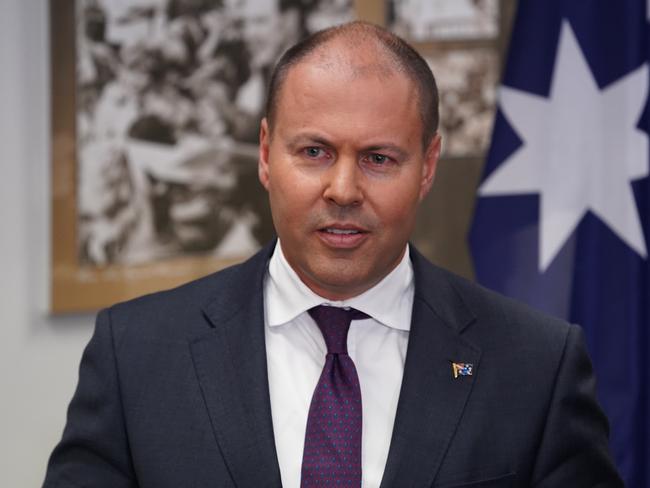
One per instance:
[(86, 280)]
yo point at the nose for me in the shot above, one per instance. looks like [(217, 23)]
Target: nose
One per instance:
[(342, 183)]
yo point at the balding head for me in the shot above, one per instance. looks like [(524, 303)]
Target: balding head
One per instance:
[(359, 49)]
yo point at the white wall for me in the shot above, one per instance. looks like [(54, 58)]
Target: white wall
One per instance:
[(39, 354)]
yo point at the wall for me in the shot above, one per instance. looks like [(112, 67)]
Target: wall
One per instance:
[(39, 354)]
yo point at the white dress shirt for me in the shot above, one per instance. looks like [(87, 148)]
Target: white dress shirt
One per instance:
[(296, 353)]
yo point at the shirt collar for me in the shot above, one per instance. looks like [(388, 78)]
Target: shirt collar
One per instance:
[(388, 302)]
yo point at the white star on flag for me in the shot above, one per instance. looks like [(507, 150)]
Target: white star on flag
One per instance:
[(581, 150)]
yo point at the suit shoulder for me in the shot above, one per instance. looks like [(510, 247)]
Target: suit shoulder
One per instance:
[(175, 310), (492, 312), (498, 306)]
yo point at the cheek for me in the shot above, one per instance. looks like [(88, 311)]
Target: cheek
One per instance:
[(292, 196), (396, 204)]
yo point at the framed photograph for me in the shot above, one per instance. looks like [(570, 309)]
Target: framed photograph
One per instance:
[(155, 117), (443, 20), (467, 80), (156, 110)]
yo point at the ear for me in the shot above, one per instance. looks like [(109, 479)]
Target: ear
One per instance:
[(429, 165), (263, 162)]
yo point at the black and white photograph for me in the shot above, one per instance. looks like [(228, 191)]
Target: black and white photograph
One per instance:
[(431, 20), (168, 101), (467, 80)]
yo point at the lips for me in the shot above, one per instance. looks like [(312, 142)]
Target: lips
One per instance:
[(341, 231), (342, 236)]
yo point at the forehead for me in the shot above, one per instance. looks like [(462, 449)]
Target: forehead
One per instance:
[(353, 83)]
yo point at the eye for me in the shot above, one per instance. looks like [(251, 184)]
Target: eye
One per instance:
[(378, 159), (314, 152)]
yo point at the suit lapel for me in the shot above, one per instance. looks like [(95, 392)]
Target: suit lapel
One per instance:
[(230, 363), (431, 400)]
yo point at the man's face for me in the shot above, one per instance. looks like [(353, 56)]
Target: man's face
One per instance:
[(345, 171)]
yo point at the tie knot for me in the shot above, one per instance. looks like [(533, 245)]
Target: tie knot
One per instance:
[(334, 324)]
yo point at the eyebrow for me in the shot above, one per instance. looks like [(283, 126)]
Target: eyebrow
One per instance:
[(308, 137)]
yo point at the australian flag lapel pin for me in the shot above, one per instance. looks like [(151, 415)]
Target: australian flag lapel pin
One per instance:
[(462, 369)]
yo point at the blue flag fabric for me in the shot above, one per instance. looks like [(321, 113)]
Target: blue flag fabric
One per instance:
[(561, 219)]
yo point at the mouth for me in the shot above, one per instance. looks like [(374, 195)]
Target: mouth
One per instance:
[(331, 230), (342, 236)]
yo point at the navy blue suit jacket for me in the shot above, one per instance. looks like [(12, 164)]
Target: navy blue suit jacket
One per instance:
[(173, 393)]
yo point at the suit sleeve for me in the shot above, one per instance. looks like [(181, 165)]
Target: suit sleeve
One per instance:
[(574, 451), (94, 450)]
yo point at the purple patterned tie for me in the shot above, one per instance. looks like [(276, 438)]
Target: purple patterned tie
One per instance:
[(332, 455)]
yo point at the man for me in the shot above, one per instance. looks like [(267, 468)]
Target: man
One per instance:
[(240, 379)]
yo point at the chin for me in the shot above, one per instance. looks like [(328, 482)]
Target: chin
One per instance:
[(337, 284)]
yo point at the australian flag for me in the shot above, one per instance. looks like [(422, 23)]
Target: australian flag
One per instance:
[(563, 208)]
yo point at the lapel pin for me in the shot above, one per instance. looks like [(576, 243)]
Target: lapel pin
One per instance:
[(462, 369)]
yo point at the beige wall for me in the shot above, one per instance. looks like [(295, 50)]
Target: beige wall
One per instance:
[(39, 355)]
